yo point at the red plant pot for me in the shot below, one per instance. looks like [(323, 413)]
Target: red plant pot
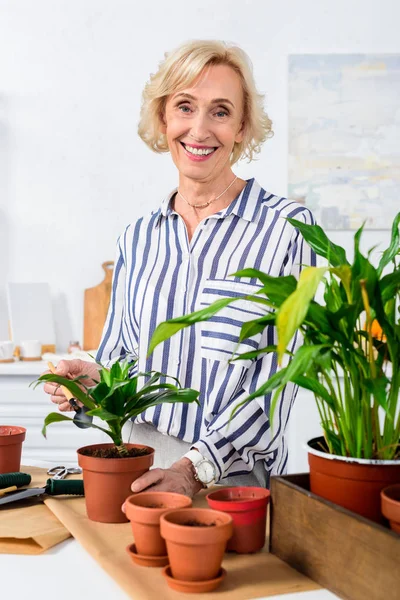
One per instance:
[(11, 439), (248, 508), (390, 502)]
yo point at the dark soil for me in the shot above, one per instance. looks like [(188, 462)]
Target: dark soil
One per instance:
[(113, 452), (155, 506), (194, 523)]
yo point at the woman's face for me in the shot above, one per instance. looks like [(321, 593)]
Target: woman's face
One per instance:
[(202, 122)]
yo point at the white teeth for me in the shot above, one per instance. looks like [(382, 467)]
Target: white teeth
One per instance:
[(199, 151)]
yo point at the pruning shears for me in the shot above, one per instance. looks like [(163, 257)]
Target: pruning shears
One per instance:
[(53, 487)]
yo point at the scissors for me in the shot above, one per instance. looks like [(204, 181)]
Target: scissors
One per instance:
[(62, 472)]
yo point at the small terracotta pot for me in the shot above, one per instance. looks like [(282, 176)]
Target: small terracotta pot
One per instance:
[(390, 502), (11, 439), (145, 518), (196, 553), (353, 483), (108, 481), (248, 509)]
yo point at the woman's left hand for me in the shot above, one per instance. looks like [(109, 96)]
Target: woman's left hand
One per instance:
[(178, 478)]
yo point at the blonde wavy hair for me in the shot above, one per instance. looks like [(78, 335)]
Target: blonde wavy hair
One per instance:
[(179, 69)]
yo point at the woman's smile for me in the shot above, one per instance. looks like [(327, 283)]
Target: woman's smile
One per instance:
[(198, 153)]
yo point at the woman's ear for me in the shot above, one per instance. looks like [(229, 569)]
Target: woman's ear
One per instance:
[(240, 134), (163, 123)]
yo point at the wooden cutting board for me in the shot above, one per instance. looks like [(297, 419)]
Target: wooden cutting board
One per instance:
[(96, 304)]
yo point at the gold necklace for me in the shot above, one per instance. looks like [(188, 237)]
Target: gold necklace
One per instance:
[(210, 201)]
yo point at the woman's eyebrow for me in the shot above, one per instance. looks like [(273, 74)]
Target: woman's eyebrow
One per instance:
[(215, 101)]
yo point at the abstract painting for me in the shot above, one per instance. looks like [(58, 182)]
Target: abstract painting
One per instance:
[(344, 138)]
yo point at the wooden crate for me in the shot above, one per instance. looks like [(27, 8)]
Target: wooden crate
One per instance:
[(353, 557)]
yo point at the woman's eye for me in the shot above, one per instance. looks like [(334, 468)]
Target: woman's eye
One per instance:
[(184, 108), (221, 113)]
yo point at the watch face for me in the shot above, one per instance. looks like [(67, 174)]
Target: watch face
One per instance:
[(206, 471)]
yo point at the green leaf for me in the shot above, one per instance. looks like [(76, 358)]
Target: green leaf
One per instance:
[(167, 329), (345, 274), (393, 248), (105, 376), (294, 310), (314, 386), (389, 286), (251, 328), (378, 389), (73, 387), (319, 242), (103, 414), (99, 392), (276, 288), (53, 418), (254, 353), (168, 396)]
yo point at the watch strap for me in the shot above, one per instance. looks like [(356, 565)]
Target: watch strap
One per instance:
[(194, 456)]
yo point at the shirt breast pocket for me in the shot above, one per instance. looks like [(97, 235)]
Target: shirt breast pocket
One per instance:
[(220, 334)]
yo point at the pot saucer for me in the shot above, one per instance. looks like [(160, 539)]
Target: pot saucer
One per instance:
[(146, 561), (196, 587)]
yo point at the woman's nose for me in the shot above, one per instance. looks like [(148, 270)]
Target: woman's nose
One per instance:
[(199, 129)]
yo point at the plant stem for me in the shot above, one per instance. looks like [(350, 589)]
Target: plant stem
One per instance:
[(122, 450)]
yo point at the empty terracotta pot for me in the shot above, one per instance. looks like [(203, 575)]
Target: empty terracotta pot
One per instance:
[(353, 483), (196, 540), (108, 481), (248, 508), (144, 511), (390, 502), (11, 439)]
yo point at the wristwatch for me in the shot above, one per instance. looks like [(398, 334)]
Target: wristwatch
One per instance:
[(204, 470)]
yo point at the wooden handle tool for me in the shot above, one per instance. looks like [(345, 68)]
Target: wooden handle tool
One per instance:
[(67, 393), (12, 488)]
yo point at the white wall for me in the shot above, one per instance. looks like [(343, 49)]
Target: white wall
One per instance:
[(73, 171)]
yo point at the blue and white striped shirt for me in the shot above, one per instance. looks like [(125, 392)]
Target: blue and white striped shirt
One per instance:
[(159, 275)]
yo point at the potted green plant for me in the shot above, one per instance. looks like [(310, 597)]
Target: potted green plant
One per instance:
[(110, 469), (349, 360)]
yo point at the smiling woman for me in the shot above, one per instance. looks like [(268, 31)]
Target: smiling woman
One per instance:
[(202, 106)]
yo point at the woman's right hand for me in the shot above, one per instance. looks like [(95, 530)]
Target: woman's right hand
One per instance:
[(71, 369)]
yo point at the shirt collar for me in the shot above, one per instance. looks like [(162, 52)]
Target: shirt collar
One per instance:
[(245, 206)]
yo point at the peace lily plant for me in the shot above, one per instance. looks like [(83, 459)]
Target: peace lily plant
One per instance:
[(350, 357), (116, 399)]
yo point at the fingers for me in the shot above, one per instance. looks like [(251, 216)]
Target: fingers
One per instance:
[(65, 407), (53, 389), (152, 477), (62, 403), (64, 368)]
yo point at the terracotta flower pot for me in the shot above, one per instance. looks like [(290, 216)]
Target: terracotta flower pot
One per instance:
[(248, 508), (144, 511), (195, 553), (390, 502), (108, 481), (11, 438), (353, 483)]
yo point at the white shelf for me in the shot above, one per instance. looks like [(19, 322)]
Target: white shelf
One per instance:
[(20, 367)]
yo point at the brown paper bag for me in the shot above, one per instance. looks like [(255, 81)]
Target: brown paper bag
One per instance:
[(248, 576), (28, 526)]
